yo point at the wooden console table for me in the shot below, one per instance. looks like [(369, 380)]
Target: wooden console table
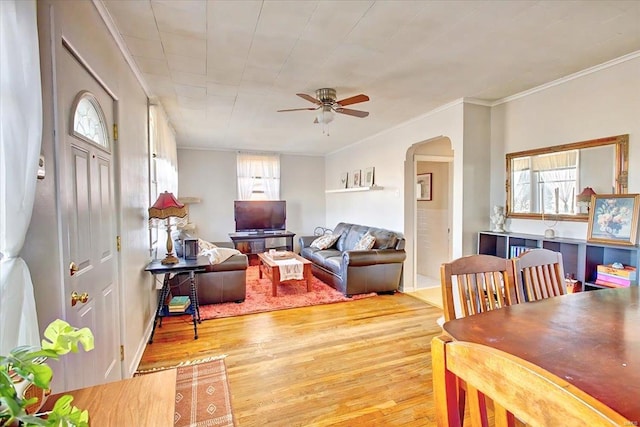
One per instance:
[(252, 243), (190, 266)]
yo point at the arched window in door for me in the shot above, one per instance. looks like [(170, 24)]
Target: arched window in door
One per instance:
[(88, 122)]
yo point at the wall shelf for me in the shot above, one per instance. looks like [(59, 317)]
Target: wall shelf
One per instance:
[(354, 189)]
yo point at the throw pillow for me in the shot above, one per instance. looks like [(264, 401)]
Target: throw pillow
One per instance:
[(365, 243), (325, 242), (218, 255), (203, 245)]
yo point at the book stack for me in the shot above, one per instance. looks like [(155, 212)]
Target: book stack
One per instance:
[(612, 277), (178, 304)]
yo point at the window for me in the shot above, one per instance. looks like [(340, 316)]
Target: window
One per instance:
[(89, 123), (258, 176), (550, 179)]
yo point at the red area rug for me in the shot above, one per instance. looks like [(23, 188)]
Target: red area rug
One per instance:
[(291, 294)]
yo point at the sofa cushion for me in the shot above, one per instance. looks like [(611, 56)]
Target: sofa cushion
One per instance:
[(385, 239), (333, 264), (325, 241), (365, 243)]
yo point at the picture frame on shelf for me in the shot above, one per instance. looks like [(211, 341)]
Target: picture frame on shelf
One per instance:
[(424, 186), (613, 218), (368, 177), (344, 180), (356, 178)]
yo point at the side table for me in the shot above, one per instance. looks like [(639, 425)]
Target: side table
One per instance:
[(191, 266)]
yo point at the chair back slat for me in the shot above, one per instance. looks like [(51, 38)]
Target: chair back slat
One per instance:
[(518, 390), (482, 283), (539, 274)]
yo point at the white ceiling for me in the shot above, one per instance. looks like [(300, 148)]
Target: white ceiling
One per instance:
[(222, 69)]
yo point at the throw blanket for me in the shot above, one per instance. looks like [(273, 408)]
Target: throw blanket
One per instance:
[(290, 269), (217, 255)]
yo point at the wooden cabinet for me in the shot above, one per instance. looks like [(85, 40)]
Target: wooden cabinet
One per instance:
[(580, 258), (255, 243)]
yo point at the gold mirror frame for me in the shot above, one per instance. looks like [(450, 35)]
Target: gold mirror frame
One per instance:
[(621, 168)]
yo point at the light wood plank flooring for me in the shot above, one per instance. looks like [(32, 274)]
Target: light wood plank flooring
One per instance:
[(361, 363)]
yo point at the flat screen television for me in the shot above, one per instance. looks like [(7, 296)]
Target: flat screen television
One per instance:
[(260, 215)]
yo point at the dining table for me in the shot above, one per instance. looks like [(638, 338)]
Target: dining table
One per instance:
[(590, 339)]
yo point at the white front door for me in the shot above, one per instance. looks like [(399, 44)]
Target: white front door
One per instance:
[(89, 222)]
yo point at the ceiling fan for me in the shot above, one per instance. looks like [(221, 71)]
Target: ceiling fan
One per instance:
[(325, 101)]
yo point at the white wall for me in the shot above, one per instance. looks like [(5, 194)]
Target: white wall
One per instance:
[(211, 175), (391, 153), (43, 242), (602, 103)]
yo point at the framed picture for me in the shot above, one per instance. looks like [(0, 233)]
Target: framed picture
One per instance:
[(344, 179), (613, 218), (423, 186), (356, 178), (367, 179)]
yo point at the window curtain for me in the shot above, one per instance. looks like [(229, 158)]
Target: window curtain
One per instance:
[(163, 147), (254, 169), (164, 172), (20, 138)]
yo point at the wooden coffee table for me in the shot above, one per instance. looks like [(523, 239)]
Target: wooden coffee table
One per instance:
[(271, 269)]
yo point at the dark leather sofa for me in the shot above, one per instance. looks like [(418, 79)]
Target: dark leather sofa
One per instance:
[(224, 282), (356, 272)]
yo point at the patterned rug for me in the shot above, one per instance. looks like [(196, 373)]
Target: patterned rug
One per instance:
[(202, 393), (291, 294)]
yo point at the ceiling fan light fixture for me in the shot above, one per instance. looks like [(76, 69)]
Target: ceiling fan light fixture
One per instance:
[(325, 115)]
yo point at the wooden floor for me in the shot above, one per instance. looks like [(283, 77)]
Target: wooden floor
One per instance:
[(361, 363)]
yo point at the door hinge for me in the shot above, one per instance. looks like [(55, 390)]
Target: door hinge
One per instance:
[(121, 353), (118, 244), (115, 131)]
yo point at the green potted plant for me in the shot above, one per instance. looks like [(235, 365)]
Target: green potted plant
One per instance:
[(25, 366)]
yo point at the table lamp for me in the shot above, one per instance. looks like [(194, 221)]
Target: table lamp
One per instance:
[(584, 199), (165, 208)]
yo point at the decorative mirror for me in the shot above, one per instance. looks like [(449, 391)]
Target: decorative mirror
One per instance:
[(558, 181)]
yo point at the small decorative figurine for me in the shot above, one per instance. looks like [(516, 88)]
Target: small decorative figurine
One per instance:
[(498, 219)]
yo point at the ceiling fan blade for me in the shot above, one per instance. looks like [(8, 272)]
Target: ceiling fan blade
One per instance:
[(353, 100), (350, 112), (309, 98), (298, 109)]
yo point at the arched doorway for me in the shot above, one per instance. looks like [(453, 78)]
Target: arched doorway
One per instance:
[(428, 213)]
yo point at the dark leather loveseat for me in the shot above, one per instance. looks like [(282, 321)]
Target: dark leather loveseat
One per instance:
[(223, 282), (358, 271)]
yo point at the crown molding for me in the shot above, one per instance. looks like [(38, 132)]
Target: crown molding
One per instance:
[(113, 30), (562, 80)]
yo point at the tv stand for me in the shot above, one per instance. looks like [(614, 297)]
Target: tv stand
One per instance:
[(256, 242)]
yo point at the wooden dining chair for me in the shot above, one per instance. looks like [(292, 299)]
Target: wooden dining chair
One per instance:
[(539, 274), (482, 282), (520, 392)]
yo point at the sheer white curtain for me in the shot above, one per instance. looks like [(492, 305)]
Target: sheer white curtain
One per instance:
[(20, 137), (164, 171), (163, 147), (258, 171)]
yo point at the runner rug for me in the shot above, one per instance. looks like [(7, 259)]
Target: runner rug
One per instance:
[(202, 393), (291, 294)]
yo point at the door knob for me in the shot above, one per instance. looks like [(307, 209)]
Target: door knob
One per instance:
[(75, 297), (72, 268)]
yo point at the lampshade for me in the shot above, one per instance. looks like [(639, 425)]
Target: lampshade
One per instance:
[(164, 208), (585, 196), (167, 206)]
